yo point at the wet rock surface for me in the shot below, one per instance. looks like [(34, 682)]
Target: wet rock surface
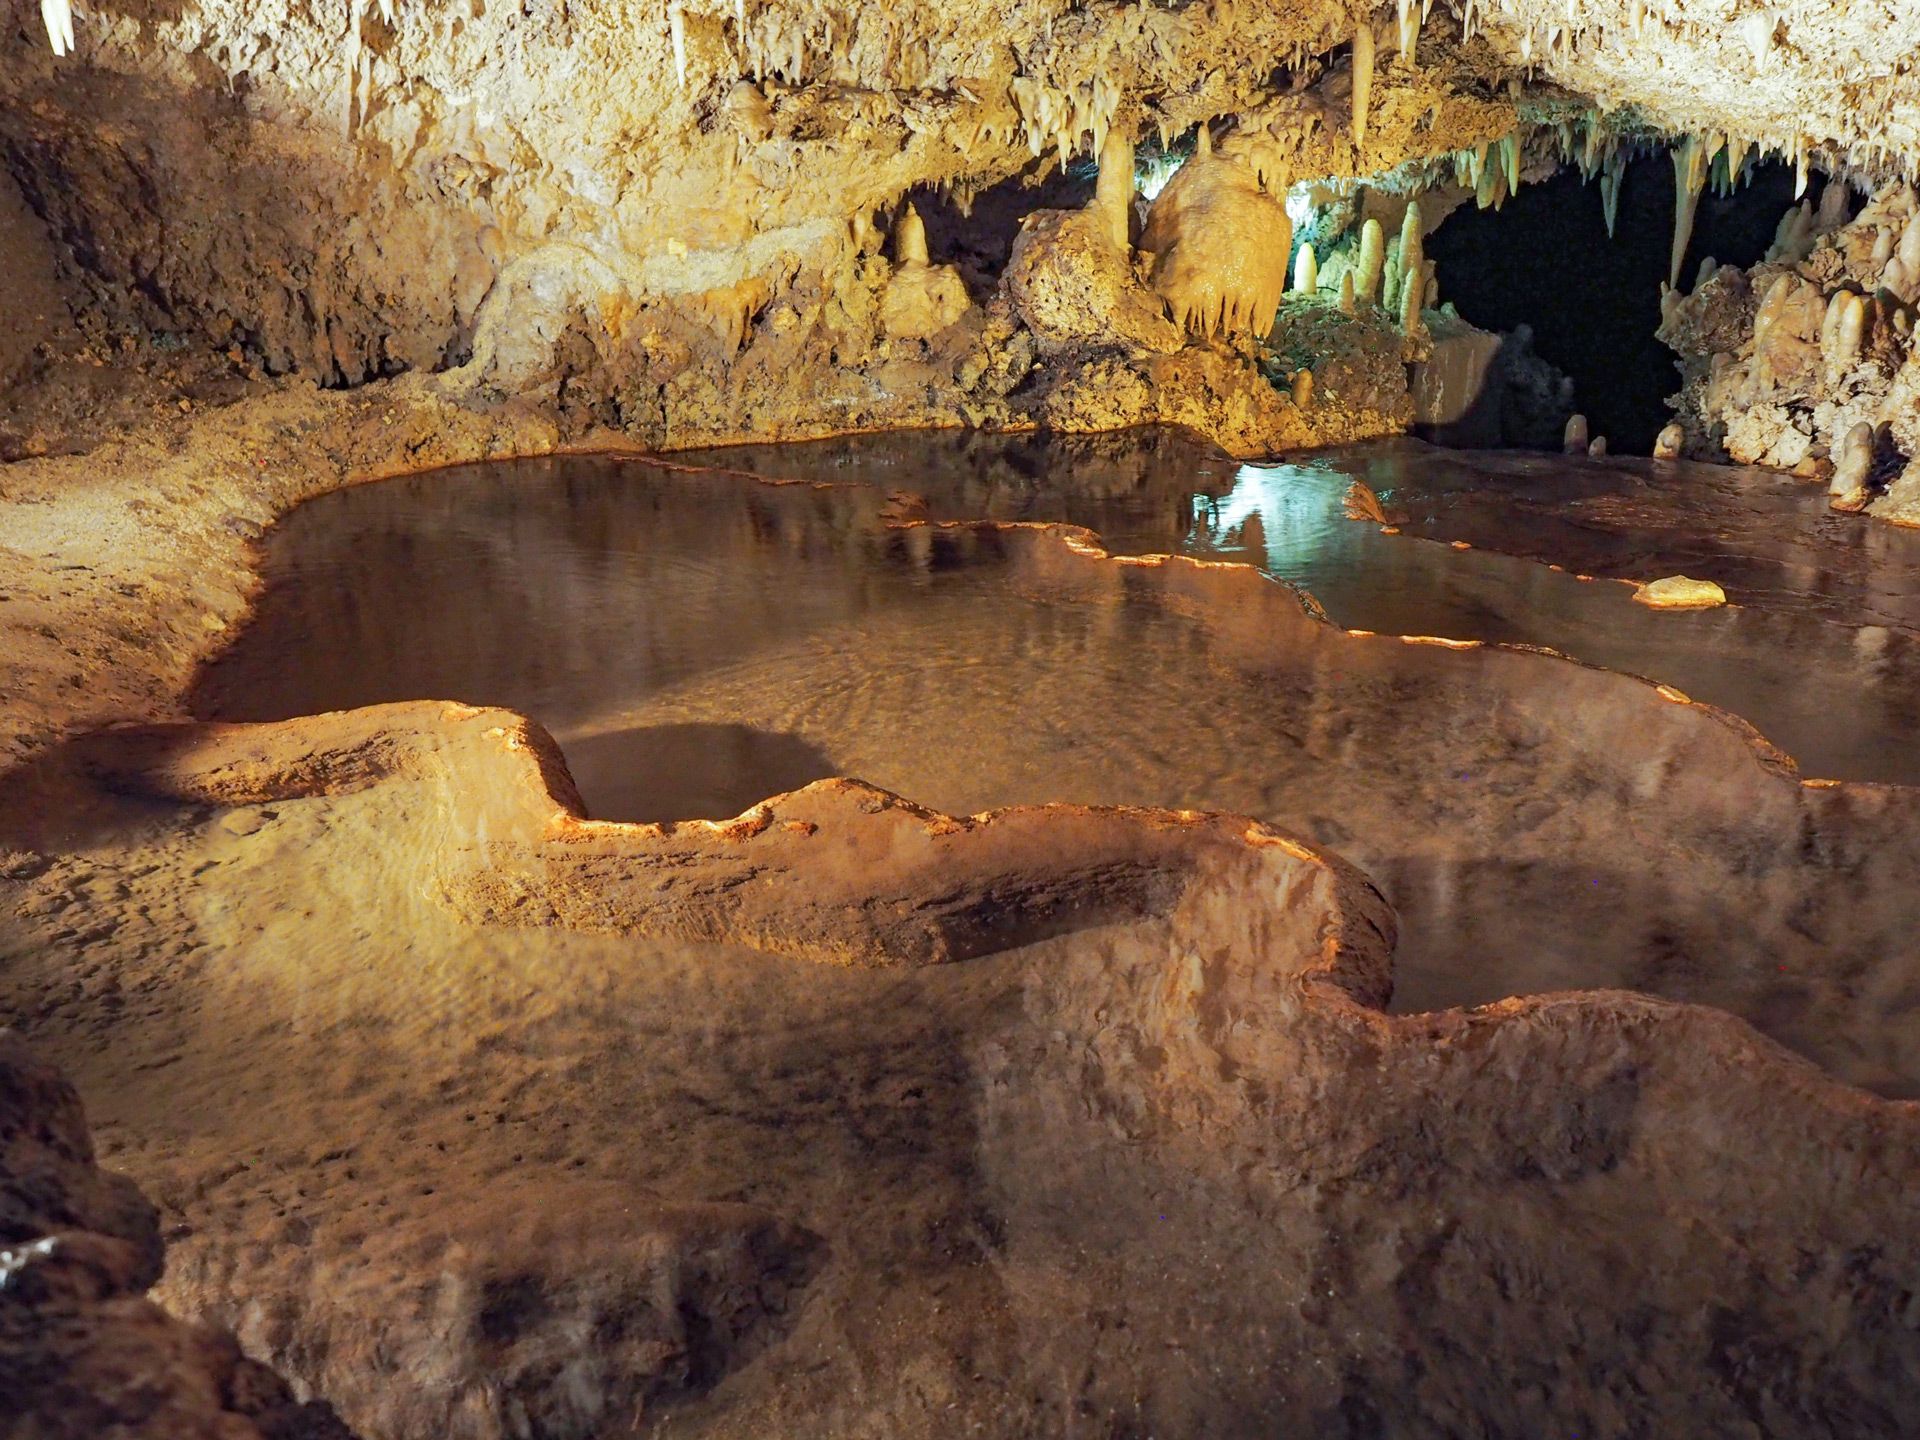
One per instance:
[(796, 1178), (1242, 1156), (86, 1353), (1766, 538)]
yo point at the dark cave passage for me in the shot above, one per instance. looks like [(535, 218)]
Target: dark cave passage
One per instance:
[(1545, 260)]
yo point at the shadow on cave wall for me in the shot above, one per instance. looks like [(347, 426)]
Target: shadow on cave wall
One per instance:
[(979, 239), (1545, 260)]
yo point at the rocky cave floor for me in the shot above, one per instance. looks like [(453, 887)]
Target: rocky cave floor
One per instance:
[(476, 1118)]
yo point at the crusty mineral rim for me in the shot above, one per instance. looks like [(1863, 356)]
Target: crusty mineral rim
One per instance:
[(1275, 948)]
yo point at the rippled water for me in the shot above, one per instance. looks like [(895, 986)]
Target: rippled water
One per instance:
[(697, 641)]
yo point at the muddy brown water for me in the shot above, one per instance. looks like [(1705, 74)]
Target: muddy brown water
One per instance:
[(696, 641)]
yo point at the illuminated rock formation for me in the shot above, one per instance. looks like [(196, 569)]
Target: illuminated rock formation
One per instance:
[(921, 299), (1220, 245), (1785, 363)]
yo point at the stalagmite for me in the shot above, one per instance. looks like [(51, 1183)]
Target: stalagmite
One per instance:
[(677, 25), (1372, 263), (1832, 213), (1413, 259), (1306, 271), (1347, 306), (1852, 462), (1302, 389), (1689, 178), (1668, 444), (1908, 252), (1113, 188), (1830, 324), (1411, 324), (1597, 447), (1362, 80), (1851, 331), (57, 16), (1573, 440), (910, 238)]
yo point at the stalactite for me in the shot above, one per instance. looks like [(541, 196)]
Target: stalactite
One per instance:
[(1362, 81), (57, 16), (1610, 183), (1689, 178), (1113, 189), (1408, 14)]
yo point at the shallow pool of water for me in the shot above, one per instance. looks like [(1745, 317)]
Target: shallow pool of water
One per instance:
[(697, 641), (1820, 650)]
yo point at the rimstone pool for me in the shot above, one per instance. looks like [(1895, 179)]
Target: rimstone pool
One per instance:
[(697, 641)]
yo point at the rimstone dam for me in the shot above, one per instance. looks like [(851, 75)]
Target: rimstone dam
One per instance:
[(1109, 719)]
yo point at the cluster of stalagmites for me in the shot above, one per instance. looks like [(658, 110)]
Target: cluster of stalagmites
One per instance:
[(1806, 362)]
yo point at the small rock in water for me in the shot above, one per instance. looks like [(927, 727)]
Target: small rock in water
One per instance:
[(1677, 592)]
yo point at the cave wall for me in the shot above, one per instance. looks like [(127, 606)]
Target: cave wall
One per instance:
[(670, 219)]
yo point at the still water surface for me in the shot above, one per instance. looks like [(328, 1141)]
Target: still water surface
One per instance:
[(697, 641)]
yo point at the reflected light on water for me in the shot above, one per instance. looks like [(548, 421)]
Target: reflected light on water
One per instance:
[(1278, 512)]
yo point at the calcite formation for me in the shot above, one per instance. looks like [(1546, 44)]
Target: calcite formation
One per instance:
[(260, 252), (1220, 246), (1805, 362), (691, 247), (1680, 592)]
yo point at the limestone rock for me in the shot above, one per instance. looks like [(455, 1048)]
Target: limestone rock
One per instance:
[(1071, 286), (922, 300), (1220, 244), (82, 1353)]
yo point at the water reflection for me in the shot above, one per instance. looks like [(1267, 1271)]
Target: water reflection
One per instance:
[(1840, 698)]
